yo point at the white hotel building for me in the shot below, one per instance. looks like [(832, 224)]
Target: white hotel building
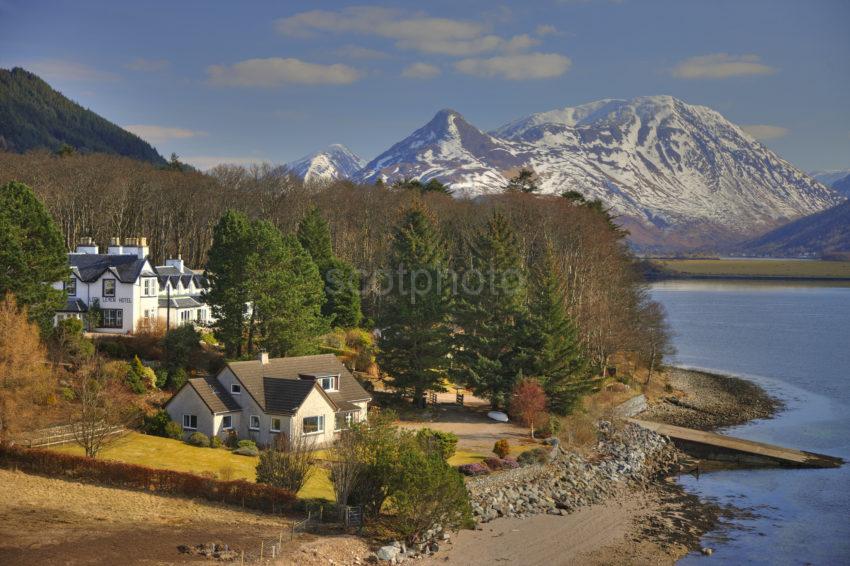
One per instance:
[(131, 292)]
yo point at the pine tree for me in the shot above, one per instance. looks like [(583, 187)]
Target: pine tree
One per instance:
[(226, 270), (341, 281), (32, 254), (557, 356), (491, 350), (415, 335), (523, 182), (286, 293)]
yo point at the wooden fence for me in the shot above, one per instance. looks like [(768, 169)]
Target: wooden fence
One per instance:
[(59, 435)]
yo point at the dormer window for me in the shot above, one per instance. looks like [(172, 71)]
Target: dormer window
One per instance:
[(149, 287), (71, 287), (329, 383), (235, 388), (109, 287)]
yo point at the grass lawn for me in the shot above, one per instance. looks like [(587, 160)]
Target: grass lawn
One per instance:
[(158, 452), (757, 267)]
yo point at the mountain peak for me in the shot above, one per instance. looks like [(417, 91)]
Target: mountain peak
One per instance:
[(334, 162)]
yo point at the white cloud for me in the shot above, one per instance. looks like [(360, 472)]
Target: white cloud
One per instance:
[(765, 131), (156, 134), (420, 71), (277, 70), (442, 36), (721, 66), (62, 70), (205, 162), (516, 67), (545, 29), (147, 65)]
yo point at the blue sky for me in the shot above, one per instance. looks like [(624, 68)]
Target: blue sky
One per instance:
[(255, 81)]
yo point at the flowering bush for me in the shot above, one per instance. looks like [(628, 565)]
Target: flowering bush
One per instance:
[(539, 455), (475, 469), (497, 464)]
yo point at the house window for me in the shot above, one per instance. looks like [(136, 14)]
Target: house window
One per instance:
[(190, 422), (201, 315), (109, 287), (71, 287), (313, 425), (342, 421), (112, 318), (275, 425), (227, 422), (235, 388), (185, 316), (329, 383), (148, 287), (255, 423)]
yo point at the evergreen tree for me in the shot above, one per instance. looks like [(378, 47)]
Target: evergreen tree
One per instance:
[(226, 270), (491, 349), (286, 293), (32, 254), (341, 281), (523, 182), (557, 357), (415, 335)]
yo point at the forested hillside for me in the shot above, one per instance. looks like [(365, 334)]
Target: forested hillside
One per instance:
[(104, 196), (826, 232), (33, 115)]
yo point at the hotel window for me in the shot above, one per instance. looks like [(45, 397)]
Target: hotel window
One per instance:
[(109, 287), (255, 423), (71, 287), (149, 287), (313, 425), (236, 389), (185, 316), (275, 425), (227, 422), (112, 318), (190, 422), (329, 383)]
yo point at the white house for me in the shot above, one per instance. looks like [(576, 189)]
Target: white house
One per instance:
[(128, 289), (180, 291), (311, 396)]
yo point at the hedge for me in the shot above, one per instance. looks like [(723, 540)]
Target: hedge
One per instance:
[(117, 474)]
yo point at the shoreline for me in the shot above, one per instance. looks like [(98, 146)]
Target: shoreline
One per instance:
[(652, 523)]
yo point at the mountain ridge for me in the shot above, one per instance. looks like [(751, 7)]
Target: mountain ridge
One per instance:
[(336, 161)]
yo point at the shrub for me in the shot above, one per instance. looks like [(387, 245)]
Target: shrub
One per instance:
[(208, 339), (180, 344), (502, 448), (111, 349), (226, 473), (156, 423), (496, 464), (161, 378), (445, 443), (132, 476), (246, 444), (198, 439), (68, 335), (177, 379), (136, 376), (231, 441), (173, 430), (215, 442), (551, 426), (539, 455), (474, 469), (287, 463), (247, 451)]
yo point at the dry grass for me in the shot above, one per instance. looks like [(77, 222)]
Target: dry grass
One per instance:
[(802, 268)]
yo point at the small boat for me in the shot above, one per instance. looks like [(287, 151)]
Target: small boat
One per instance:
[(498, 416)]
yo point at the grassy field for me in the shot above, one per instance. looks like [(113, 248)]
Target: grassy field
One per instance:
[(780, 268), (158, 452)]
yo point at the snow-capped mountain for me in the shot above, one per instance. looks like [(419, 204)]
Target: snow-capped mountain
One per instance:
[(451, 149), (334, 162), (683, 172), (837, 179)]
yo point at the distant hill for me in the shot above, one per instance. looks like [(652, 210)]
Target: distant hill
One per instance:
[(33, 115), (842, 186), (826, 232)]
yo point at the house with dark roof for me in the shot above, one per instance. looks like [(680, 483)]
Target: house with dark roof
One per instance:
[(309, 396), (129, 292)]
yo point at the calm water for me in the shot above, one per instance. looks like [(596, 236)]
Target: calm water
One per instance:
[(795, 341)]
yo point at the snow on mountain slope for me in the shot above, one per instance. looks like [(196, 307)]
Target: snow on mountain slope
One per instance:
[(454, 151), (334, 162), (828, 178), (668, 164)]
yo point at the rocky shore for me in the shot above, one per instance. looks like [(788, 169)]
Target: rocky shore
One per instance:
[(707, 401)]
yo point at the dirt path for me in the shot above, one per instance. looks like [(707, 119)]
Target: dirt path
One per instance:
[(49, 521), (600, 534)]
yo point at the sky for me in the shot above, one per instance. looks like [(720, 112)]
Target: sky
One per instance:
[(244, 82)]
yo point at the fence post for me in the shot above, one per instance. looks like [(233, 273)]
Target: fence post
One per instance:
[(262, 548)]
